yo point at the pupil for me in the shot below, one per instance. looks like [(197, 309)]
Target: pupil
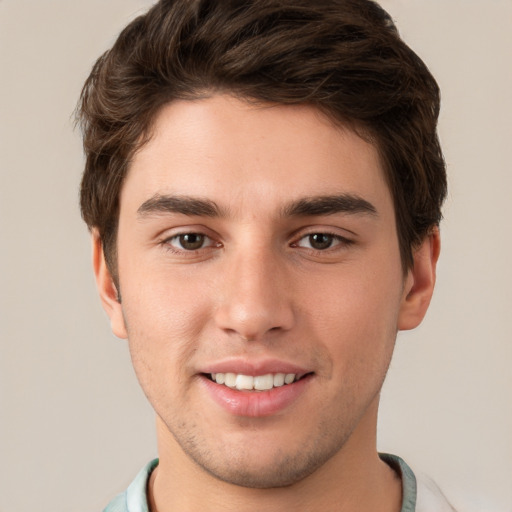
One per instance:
[(320, 241), (191, 241)]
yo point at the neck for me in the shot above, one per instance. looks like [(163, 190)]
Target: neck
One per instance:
[(355, 479)]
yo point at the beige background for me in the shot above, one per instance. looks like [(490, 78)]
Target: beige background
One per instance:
[(74, 426)]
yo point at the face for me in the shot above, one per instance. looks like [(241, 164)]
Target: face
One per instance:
[(261, 286)]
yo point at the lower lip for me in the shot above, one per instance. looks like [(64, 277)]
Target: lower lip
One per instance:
[(255, 403)]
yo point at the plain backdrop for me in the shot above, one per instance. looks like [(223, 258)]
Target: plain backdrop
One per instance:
[(74, 426)]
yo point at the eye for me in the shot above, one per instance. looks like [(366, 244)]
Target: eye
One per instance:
[(321, 241), (190, 241)]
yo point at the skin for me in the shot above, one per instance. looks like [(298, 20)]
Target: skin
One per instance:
[(260, 288)]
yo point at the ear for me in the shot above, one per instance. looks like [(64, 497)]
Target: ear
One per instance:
[(107, 289), (419, 283)]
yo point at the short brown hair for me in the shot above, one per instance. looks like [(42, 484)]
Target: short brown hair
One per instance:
[(344, 57)]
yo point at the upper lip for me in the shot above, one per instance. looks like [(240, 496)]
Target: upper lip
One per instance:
[(254, 367)]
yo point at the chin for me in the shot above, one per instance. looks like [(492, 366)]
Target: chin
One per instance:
[(281, 473), (265, 466)]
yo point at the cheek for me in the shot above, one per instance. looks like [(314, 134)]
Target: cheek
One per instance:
[(157, 313), (356, 314), (162, 300), (163, 321)]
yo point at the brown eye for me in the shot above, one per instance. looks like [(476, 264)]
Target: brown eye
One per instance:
[(323, 241), (320, 241), (188, 241), (191, 241)]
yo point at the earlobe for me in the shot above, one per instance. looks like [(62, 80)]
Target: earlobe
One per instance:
[(420, 281), (107, 288)]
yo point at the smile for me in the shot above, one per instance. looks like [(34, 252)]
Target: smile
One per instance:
[(255, 395), (257, 383)]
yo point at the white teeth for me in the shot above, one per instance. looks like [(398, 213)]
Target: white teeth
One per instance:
[(229, 379), (264, 382), (290, 377), (279, 379), (258, 383), (244, 382)]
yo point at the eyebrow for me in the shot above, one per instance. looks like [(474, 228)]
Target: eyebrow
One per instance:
[(329, 205), (162, 204), (304, 207)]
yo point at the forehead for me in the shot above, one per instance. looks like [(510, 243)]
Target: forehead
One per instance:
[(251, 156)]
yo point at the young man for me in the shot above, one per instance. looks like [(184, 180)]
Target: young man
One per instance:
[(263, 185)]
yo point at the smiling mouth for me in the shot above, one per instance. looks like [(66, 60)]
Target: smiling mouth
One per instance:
[(266, 382)]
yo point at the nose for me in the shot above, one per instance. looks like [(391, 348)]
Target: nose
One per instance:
[(254, 297)]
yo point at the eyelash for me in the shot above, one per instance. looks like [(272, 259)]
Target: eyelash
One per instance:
[(167, 243), (336, 242)]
